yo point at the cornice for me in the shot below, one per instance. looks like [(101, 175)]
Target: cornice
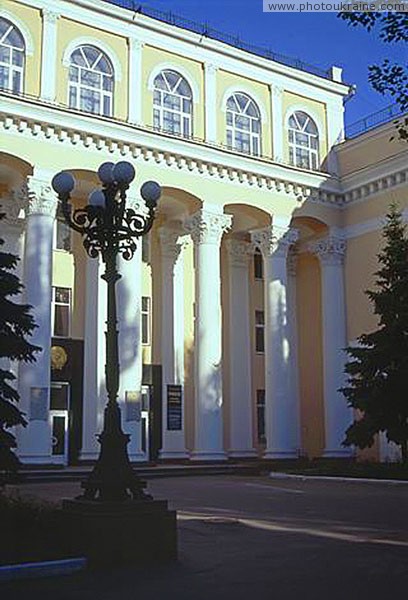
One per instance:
[(58, 124)]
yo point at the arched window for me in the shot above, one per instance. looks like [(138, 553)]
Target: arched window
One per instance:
[(303, 141), (243, 124), (12, 51), (91, 81), (172, 103)]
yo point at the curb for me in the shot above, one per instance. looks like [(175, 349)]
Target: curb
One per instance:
[(49, 568), (278, 475)]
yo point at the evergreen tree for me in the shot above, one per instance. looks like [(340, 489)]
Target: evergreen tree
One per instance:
[(16, 323), (378, 371)]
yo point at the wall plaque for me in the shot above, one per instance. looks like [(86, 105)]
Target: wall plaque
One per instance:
[(174, 408)]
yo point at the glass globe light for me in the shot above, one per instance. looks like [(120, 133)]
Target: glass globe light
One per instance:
[(151, 192), (63, 182), (97, 198), (123, 172), (105, 172)]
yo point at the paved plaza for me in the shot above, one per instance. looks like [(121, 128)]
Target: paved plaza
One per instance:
[(243, 537)]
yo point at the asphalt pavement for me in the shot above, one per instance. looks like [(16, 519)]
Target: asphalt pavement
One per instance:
[(243, 537)]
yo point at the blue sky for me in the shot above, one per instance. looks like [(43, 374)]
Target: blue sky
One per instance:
[(317, 38)]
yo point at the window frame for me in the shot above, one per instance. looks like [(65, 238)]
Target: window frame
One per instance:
[(260, 326), (258, 265), (260, 409), (11, 67), (147, 314), (234, 130), (54, 304), (76, 87), (161, 112), (296, 149)]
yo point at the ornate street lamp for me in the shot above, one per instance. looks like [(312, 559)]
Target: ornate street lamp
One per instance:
[(109, 228)]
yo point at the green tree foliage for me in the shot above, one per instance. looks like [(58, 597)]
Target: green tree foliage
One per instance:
[(378, 369), (16, 323), (389, 77)]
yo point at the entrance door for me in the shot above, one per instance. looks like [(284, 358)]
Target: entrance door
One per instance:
[(59, 415)]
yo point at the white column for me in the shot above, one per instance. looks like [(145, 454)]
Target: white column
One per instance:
[(34, 442), (277, 124), (338, 416), (135, 81), (206, 228), (241, 443), (172, 334), (129, 298), (210, 102), (280, 421), (49, 55), (94, 390)]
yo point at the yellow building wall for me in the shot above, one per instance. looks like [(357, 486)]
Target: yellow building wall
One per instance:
[(31, 17), (292, 102), (151, 58), (67, 31), (260, 94), (310, 354)]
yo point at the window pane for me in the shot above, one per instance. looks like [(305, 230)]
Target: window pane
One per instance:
[(259, 339), (4, 77), (72, 97), (255, 146), (107, 83), (61, 322), (59, 397), (15, 39), (90, 78), (258, 265), (107, 106), (63, 236), (156, 118), (90, 101), (16, 81), (145, 302), (145, 329), (5, 54), (259, 317), (62, 295), (18, 58)]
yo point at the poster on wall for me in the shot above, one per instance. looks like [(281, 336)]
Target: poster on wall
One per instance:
[(174, 408), (38, 404)]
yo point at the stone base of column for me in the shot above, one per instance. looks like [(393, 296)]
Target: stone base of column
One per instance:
[(28, 459), (198, 455), (138, 457), (173, 454), (276, 454), (338, 453), (252, 453)]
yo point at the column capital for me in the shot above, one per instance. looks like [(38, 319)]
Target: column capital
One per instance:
[(274, 240), (330, 250), (40, 197), (135, 42), (170, 242), (276, 90), (207, 227), (292, 261), (50, 16), (239, 252), (210, 68)]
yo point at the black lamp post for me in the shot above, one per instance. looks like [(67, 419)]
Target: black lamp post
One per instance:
[(108, 228)]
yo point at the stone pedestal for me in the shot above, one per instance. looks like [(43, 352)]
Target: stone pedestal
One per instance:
[(112, 534)]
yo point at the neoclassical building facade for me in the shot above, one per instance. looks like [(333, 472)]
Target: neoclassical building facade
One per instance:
[(234, 313)]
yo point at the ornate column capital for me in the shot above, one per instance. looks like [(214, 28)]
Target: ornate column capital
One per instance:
[(210, 68), (239, 252), (135, 42), (207, 227), (330, 250), (40, 197), (274, 240), (50, 16), (171, 243)]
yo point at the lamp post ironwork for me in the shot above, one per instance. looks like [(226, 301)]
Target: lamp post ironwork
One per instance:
[(109, 228)]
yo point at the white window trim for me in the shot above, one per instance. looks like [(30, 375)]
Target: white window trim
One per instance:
[(25, 32), (302, 108), (183, 115), (167, 66), (99, 45)]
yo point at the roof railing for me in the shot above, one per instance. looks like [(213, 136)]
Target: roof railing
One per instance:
[(373, 120), (205, 30)]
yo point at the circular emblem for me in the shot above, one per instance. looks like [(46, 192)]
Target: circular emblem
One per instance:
[(58, 358)]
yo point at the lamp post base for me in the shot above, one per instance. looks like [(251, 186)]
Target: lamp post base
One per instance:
[(120, 533)]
